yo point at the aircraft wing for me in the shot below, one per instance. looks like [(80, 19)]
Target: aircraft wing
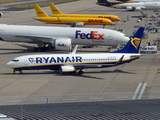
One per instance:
[(74, 24), (37, 38)]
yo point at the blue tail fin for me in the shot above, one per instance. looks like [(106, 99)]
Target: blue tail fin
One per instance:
[(134, 44)]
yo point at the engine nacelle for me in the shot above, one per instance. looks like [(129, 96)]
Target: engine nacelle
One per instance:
[(62, 44), (1, 14), (78, 24), (67, 69), (129, 8), (138, 8)]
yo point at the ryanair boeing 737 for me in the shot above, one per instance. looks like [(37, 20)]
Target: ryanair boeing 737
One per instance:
[(73, 62)]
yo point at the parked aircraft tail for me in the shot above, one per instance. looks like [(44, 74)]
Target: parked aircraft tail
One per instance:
[(39, 11), (54, 9), (134, 44)]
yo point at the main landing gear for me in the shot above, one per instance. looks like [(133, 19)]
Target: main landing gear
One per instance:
[(80, 72), (20, 71), (42, 47)]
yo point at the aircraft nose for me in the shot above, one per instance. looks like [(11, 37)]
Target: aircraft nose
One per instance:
[(110, 23), (118, 19), (126, 39), (9, 64)]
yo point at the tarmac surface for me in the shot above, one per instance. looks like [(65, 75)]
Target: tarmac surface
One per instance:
[(136, 80)]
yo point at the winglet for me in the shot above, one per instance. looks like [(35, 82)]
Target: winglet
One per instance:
[(134, 43), (39, 11), (54, 9), (120, 60), (74, 50)]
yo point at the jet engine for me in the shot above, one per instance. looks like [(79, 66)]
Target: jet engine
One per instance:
[(62, 44), (138, 8), (67, 69), (129, 8), (1, 14), (77, 24)]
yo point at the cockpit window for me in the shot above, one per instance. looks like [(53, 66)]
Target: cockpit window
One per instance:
[(125, 35), (15, 60)]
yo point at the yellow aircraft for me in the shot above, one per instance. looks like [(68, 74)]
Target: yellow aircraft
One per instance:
[(73, 21), (57, 12)]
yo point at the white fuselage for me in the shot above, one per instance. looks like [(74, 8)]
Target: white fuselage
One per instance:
[(141, 5), (144, 1), (36, 34), (55, 61)]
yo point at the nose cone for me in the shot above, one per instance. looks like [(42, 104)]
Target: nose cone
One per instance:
[(118, 19), (126, 39), (109, 22), (9, 64)]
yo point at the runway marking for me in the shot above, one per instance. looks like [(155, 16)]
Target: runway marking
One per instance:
[(139, 91), (15, 101), (96, 98), (142, 91), (39, 100), (8, 75), (68, 99), (122, 97)]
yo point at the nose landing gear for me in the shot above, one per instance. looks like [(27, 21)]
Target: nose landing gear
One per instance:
[(20, 71)]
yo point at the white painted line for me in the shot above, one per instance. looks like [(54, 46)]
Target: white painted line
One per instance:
[(122, 97), (14, 101), (142, 91), (40, 100), (66, 99), (137, 90), (96, 98)]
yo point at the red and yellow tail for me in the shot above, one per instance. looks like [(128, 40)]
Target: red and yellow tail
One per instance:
[(39, 11), (54, 9)]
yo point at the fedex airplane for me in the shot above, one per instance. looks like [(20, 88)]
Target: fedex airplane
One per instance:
[(67, 63), (60, 38)]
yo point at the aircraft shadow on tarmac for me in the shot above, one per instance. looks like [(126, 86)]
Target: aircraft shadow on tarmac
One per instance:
[(19, 50), (85, 75), (114, 71)]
